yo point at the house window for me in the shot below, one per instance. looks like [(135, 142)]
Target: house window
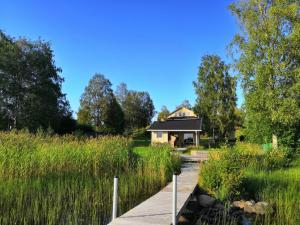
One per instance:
[(158, 134), (183, 114)]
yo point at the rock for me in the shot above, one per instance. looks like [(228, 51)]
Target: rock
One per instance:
[(250, 203), (249, 208), (182, 219), (262, 208), (239, 204), (206, 201)]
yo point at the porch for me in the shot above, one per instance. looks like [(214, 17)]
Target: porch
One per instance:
[(183, 138)]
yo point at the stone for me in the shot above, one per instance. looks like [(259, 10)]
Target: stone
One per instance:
[(250, 203), (249, 208), (182, 219), (206, 201), (262, 208), (239, 204)]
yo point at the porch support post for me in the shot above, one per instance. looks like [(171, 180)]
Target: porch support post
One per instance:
[(197, 138)]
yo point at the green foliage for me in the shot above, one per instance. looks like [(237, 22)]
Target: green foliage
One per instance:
[(160, 155), (39, 172), (239, 116), (278, 188), (222, 177), (223, 174), (141, 134), (163, 114), (99, 107), (268, 63), (30, 86), (275, 159), (137, 106), (216, 97)]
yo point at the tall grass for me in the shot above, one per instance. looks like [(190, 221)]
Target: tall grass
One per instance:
[(65, 180), (245, 171), (280, 188)]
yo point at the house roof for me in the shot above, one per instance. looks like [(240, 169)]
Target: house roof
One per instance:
[(180, 108), (177, 125)]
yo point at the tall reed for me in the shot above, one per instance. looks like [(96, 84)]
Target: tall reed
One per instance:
[(66, 180)]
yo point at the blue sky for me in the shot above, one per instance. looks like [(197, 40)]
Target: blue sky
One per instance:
[(153, 46)]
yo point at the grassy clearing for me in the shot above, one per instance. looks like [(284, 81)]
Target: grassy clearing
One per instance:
[(64, 180)]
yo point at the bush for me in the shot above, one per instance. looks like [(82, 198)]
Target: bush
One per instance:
[(222, 175), (275, 159)]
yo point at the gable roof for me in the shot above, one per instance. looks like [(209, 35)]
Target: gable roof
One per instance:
[(177, 125), (182, 107)]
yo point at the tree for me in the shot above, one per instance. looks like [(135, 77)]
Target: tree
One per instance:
[(185, 103), (30, 85), (138, 110), (121, 93), (268, 59), (114, 120), (239, 116), (99, 107), (137, 106), (216, 97), (163, 114)]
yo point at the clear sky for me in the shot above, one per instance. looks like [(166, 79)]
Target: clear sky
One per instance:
[(153, 45)]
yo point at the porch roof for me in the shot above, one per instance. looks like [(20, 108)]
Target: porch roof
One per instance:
[(177, 125)]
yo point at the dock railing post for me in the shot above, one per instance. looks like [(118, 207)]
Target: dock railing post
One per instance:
[(174, 211), (115, 199)]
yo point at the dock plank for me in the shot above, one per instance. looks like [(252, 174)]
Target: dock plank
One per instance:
[(157, 210)]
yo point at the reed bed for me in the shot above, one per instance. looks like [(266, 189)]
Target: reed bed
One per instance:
[(280, 188), (66, 180)]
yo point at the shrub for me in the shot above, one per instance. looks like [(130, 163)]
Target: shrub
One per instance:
[(275, 159), (222, 175)]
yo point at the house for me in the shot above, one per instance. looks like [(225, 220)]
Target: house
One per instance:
[(182, 127)]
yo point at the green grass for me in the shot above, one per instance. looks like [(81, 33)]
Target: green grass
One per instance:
[(65, 180), (280, 188), (245, 171)]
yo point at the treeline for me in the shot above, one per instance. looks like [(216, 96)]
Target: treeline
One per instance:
[(121, 112), (31, 95), (30, 87)]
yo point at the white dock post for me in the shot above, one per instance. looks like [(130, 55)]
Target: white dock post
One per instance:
[(115, 199), (174, 211)]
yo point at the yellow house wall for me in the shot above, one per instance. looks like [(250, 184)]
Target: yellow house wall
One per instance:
[(155, 139), (182, 110)]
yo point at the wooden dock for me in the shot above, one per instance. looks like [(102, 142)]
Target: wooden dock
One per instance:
[(157, 210)]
